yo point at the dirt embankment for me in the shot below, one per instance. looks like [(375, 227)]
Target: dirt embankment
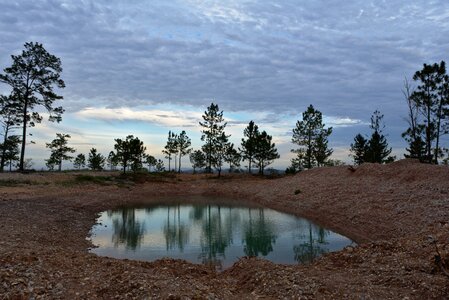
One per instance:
[(398, 213)]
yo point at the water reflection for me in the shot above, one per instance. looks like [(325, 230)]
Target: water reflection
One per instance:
[(127, 230), (176, 232), (259, 234), (313, 245), (211, 234)]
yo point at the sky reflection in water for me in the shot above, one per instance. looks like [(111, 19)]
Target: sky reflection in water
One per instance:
[(211, 234)]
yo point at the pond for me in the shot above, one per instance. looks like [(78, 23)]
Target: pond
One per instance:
[(211, 234)]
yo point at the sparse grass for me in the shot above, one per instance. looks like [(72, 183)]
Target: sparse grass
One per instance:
[(142, 177), (121, 180), (101, 180)]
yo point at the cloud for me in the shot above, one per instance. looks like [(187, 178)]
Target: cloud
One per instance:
[(346, 58), (243, 54), (342, 122), (158, 117)]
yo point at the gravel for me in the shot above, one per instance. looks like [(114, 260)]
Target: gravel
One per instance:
[(397, 213)]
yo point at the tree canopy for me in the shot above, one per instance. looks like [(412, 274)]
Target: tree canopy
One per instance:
[(33, 76), (79, 161), (171, 147), (265, 151), (311, 135), (130, 152), (213, 135), (249, 144), (428, 112), (95, 160), (59, 150), (374, 150), (183, 143), (9, 121), (198, 160)]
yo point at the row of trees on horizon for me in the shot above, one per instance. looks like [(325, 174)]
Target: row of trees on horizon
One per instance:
[(35, 74)]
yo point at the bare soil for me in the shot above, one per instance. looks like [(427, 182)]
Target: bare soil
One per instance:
[(397, 213)]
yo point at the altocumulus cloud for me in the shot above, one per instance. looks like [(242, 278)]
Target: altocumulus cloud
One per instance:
[(347, 58), (245, 54)]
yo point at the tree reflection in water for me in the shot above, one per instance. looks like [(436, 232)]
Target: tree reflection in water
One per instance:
[(175, 232), (314, 240), (127, 230), (259, 235), (215, 235)]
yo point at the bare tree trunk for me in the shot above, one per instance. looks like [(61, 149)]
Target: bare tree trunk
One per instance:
[(439, 115), (24, 132), (2, 162)]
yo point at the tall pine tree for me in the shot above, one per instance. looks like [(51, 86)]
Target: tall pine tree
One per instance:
[(212, 134), (265, 151), (183, 143), (249, 144), (33, 76), (431, 100), (312, 137)]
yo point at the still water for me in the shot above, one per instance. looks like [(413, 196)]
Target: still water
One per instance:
[(211, 234)]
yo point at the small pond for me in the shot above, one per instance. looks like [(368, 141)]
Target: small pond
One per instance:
[(211, 234)]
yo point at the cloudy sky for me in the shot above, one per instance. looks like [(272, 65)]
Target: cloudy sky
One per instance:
[(145, 67)]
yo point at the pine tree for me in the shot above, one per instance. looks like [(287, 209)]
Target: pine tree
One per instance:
[(378, 150), (32, 76), (311, 136), (359, 149), (321, 151), (431, 100), (414, 134), (249, 144), (183, 143), (212, 134), (159, 166), (198, 160), (95, 160), (130, 152), (10, 150), (9, 121), (59, 150), (151, 161), (232, 157), (417, 149), (265, 151), (80, 161), (220, 146), (171, 148), (112, 160)]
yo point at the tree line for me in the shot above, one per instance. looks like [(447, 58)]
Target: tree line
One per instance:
[(35, 81)]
